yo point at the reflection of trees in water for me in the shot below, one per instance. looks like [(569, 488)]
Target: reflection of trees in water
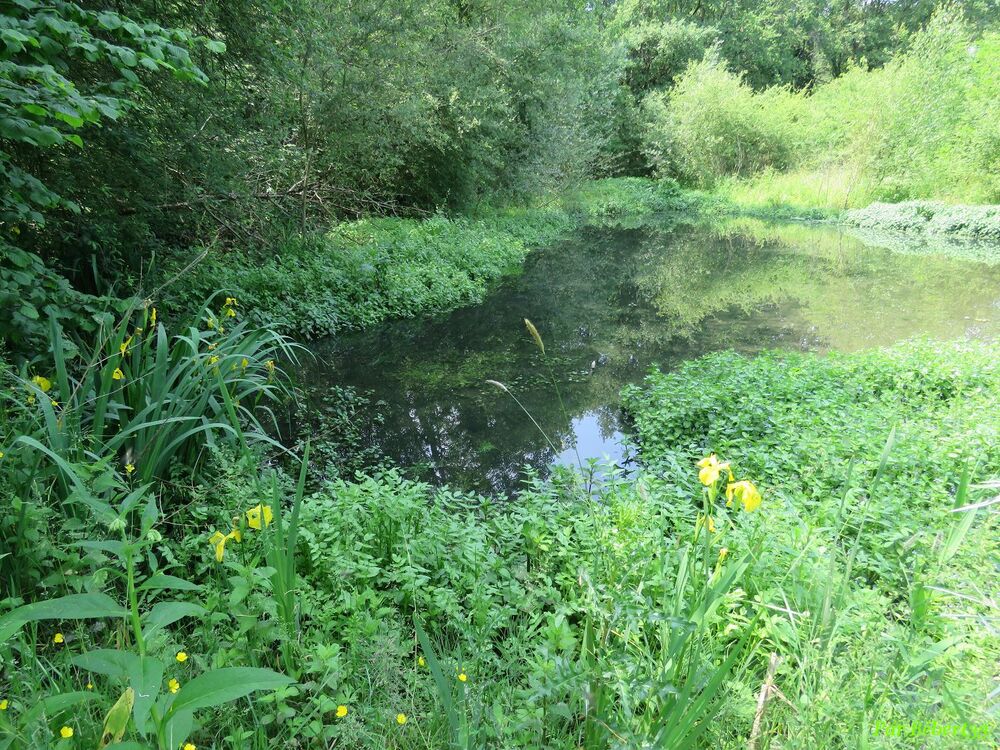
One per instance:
[(609, 304)]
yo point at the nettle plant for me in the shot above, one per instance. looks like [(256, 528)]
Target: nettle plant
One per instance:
[(145, 674)]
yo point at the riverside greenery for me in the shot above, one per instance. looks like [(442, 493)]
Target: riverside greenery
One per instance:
[(382, 612)]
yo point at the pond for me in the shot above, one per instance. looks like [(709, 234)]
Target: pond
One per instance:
[(611, 303)]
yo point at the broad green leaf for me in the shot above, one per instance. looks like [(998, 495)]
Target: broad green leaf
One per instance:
[(72, 607), (146, 679), (161, 581), (166, 613), (107, 661), (224, 685)]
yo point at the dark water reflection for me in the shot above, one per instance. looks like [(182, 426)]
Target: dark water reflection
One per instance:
[(610, 303)]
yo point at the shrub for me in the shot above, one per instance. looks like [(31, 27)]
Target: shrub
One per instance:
[(712, 125)]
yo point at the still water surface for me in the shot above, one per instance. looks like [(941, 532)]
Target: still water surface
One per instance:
[(611, 303)]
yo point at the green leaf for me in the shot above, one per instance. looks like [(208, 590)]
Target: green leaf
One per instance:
[(224, 685), (107, 661), (146, 679), (167, 613), (161, 581), (72, 607)]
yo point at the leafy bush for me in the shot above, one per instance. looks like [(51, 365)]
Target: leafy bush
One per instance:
[(31, 295), (861, 457), (712, 125), (978, 222)]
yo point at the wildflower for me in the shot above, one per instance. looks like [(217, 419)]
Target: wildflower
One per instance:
[(66, 732), (269, 365), (118, 374), (3, 704), (173, 685), (181, 656), (711, 525), (722, 553), (218, 540), (129, 468), (213, 359), (230, 302), (90, 686), (31, 400), (341, 712), (211, 323), (421, 662), (42, 382), (58, 638), (55, 404), (710, 468), (1, 454), (189, 746), (244, 362), (212, 346), (123, 347), (152, 319), (745, 492), (463, 677), (255, 514), (400, 719), (230, 312)]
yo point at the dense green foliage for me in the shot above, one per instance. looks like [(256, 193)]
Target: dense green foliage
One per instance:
[(174, 577), (362, 272), (813, 431), (922, 126)]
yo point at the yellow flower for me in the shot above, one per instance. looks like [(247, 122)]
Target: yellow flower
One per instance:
[(255, 513), (123, 347), (66, 732), (421, 662), (189, 746), (152, 318), (129, 468), (711, 525), (269, 365), (181, 656), (1, 454), (745, 492), (173, 685), (722, 553), (230, 312), (463, 677), (3, 704), (55, 404), (244, 362), (710, 468), (341, 712), (58, 638), (230, 302), (218, 540), (211, 323), (213, 359), (118, 374), (401, 719), (90, 686), (42, 382), (31, 400)]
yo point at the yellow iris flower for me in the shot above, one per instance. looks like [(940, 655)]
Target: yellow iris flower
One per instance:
[(218, 540), (257, 513), (709, 469), (42, 382), (744, 492)]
